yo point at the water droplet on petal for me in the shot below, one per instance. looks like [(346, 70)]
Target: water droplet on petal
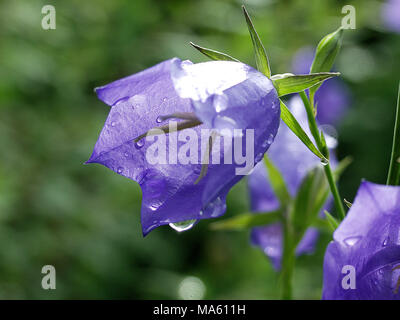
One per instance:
[(220, 102), (113, 123), (183, 226), (159, 119), (351, 241), (270, 139), (139, 144), (164, 99), (126, 154), (155, 205), (216, 207), (272, 250), (120, 169), (385, 242), (259, 157)]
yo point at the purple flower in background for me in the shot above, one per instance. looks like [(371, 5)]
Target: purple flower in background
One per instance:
[(213, 95), (391, 15), (332, 98), (294, 161), (363, 261)]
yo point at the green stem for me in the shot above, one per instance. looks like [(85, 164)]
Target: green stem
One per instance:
[(311, 120), (335, 192), (288, 260), (394, 167), (325, 151)]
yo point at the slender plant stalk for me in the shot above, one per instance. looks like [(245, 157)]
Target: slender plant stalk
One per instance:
[(311, 120), (394, 167), (325, 151), (334, 190), (288, 260)]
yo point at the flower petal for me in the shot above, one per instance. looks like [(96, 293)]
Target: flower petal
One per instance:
[(369, 240), (227, 94)]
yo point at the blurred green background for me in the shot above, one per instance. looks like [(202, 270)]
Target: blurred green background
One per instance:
[(84, 220)]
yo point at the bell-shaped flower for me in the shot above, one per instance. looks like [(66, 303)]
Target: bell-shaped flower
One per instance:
[(186, 173), (363, 260), (294, 161)]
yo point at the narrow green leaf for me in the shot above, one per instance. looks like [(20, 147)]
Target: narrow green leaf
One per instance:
[(394, 167), (277, 182), (247, 221), (333, 223), (213, 54), (293, 125), (322, 225), (310, 198), (288, 83), (259, 50)]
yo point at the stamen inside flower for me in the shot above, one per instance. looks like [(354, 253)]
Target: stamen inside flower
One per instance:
[(190, 121), (179, 115), (167, 129), (206, 159)]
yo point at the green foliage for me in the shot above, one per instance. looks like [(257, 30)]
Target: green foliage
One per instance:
[(288, 83), (333, 223), (259, 50), (246, 221), (277, 182), (326, 53), (309, 200), (294, 125), (394, 167), (213, 54)]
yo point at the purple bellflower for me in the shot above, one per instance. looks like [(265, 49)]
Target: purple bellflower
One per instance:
[(332, 98), (214, 95), (363, 260), (391, 15), (294, 161)]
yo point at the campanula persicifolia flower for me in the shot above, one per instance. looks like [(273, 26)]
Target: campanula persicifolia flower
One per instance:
[(363, 260), (213, 95)]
